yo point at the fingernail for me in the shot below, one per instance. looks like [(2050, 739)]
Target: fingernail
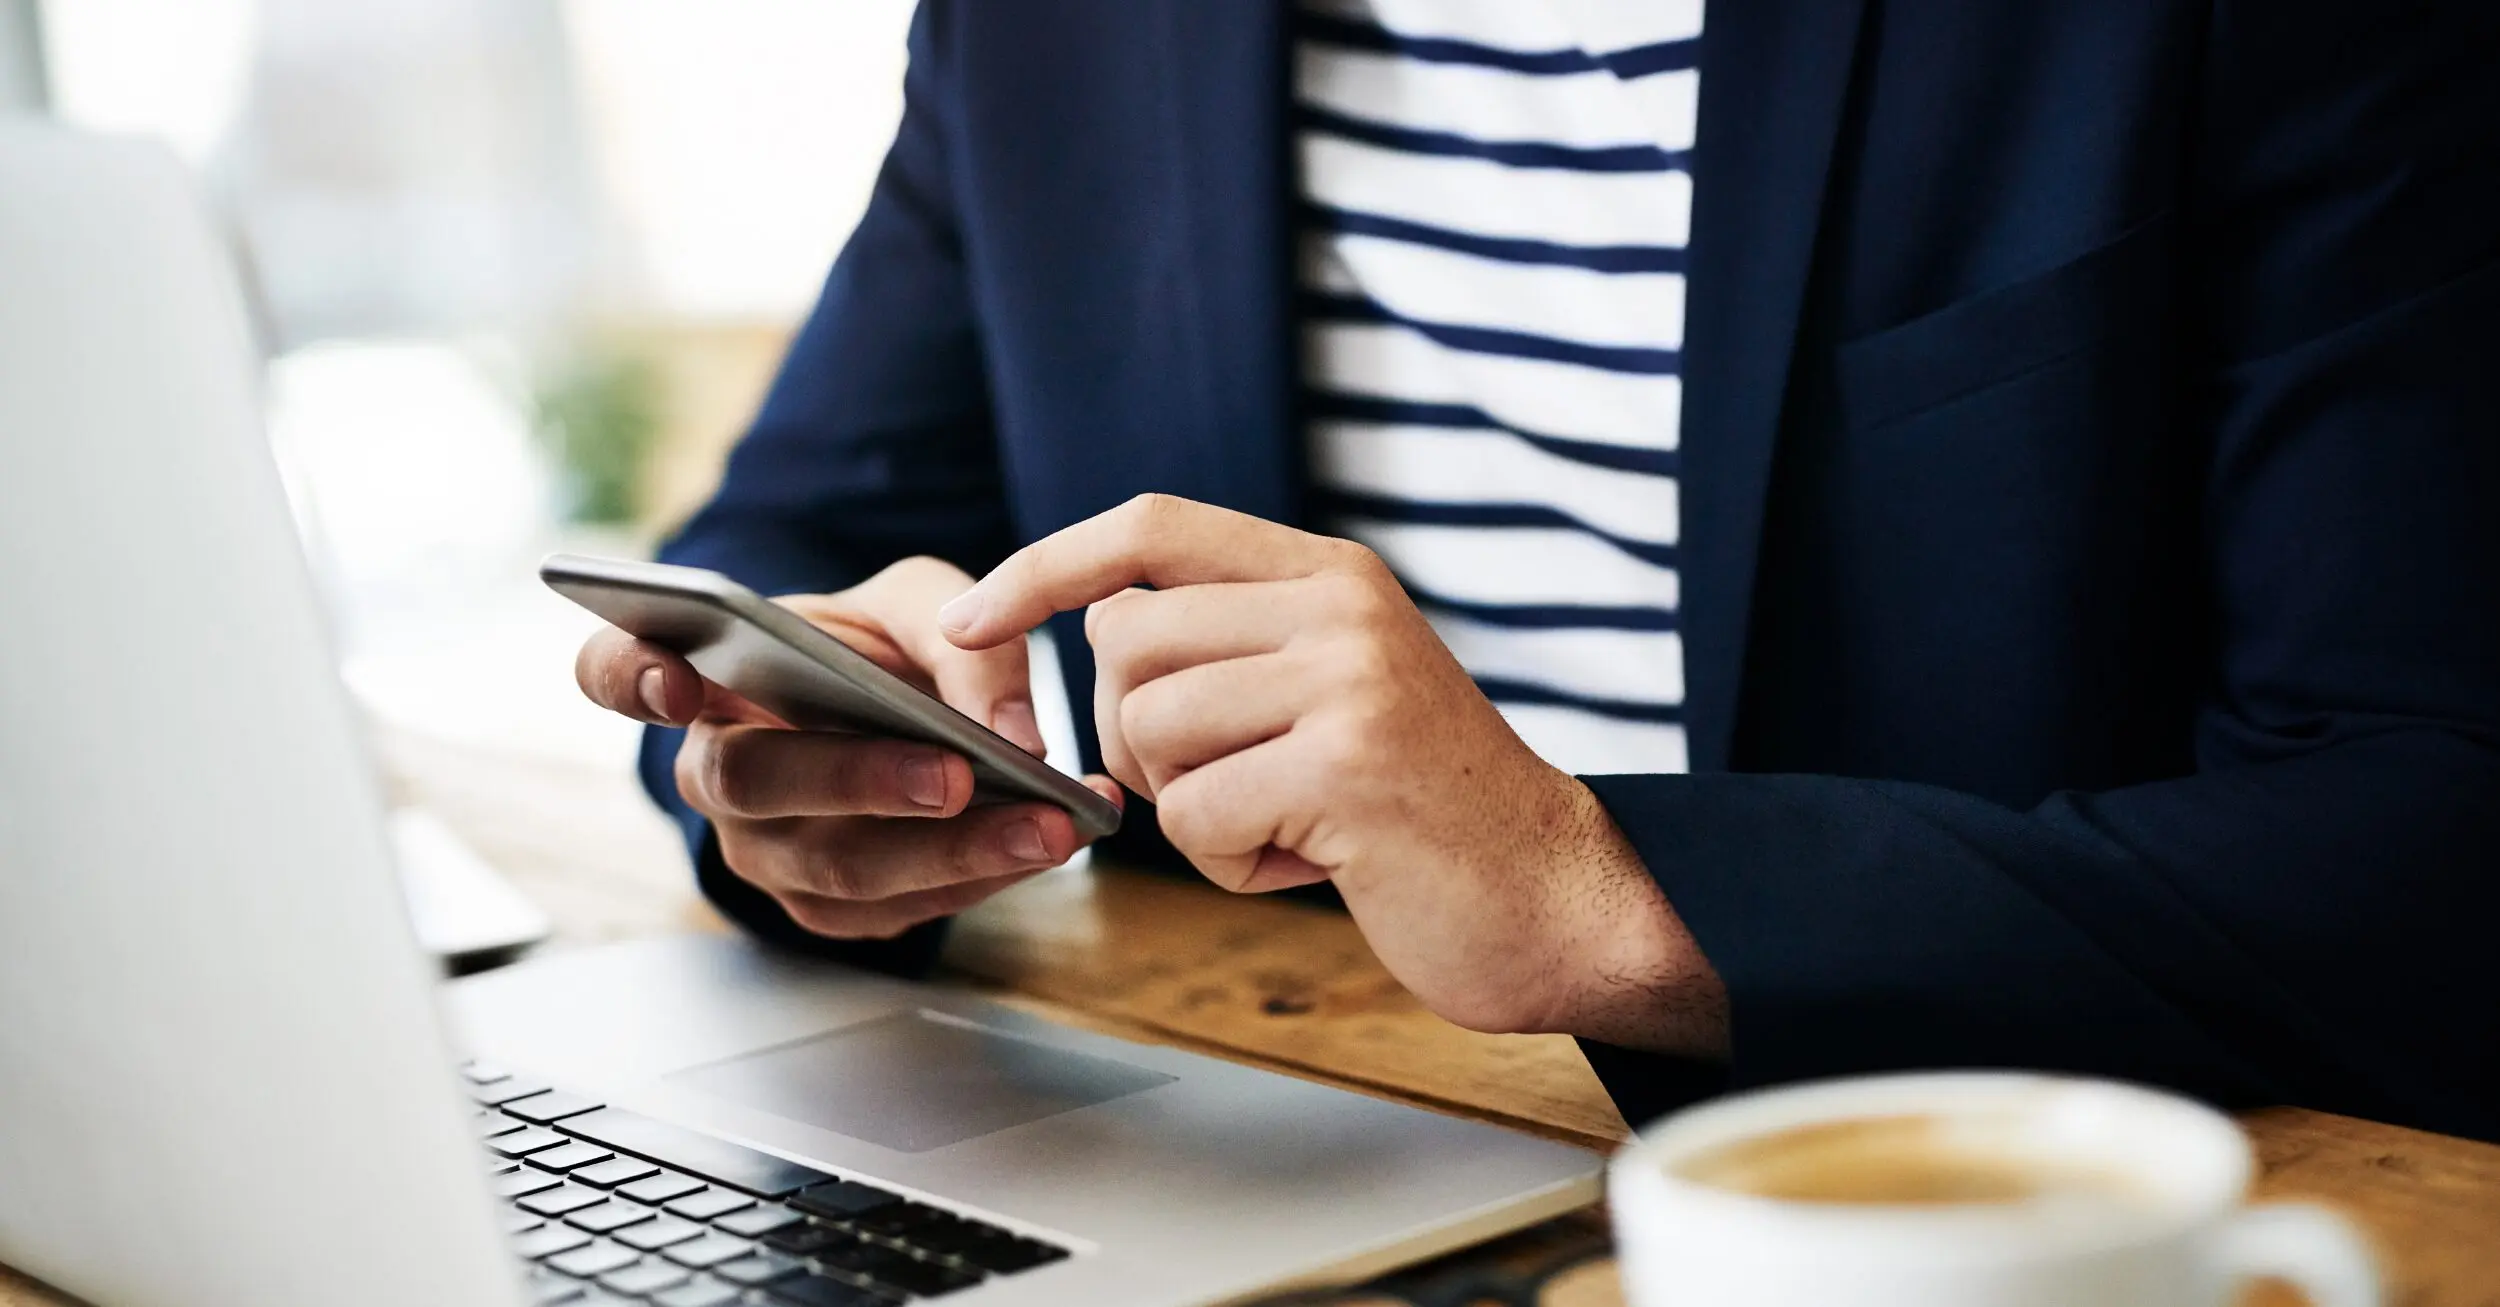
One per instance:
[(962, 612), (653, 686), (924, 779), (1024, 842), (1014, 719)]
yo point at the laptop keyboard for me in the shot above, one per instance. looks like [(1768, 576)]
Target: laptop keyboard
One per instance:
[(613, 1207)]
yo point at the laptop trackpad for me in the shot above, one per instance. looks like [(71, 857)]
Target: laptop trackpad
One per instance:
[(916, 1081)]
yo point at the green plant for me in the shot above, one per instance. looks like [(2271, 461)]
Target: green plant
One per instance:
[(599, 415)]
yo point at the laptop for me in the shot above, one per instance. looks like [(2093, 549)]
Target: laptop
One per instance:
[(229, 1077)]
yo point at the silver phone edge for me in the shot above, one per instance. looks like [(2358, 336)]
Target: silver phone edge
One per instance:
[(1094, 816)]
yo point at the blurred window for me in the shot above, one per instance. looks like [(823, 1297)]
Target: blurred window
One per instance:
[(523, 267)]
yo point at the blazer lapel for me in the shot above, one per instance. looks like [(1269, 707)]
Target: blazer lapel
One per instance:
[(1211, 174), (1774, 80)]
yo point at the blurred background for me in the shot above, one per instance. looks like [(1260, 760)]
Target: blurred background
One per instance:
[(523, 268)]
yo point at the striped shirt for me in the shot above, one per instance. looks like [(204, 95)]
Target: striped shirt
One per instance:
[(1494, 205)]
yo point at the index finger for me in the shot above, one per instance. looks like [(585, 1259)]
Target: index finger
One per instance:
[(1157, 540)]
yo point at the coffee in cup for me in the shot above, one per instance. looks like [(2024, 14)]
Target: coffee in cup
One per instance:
[(1961, 1190), (1911, 1159)]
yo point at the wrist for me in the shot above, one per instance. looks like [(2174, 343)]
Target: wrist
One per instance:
[(1626, 971)]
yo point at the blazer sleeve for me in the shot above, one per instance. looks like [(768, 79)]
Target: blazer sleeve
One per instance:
[(874, 443), (2308, 916)]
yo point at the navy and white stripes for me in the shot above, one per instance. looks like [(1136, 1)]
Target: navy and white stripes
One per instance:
[(1495, 204)]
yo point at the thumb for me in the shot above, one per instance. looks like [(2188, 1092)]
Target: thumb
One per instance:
[(992, 686)]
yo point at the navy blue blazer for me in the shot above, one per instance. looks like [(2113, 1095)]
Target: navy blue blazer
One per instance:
[(2091, 541)]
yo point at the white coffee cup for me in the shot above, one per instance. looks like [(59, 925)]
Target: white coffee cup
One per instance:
[(2170, 1230)]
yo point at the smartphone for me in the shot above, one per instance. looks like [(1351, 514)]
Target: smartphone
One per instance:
[(796, 671)]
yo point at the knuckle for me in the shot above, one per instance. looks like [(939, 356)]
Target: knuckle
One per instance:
[(1143, 713), (836, 877), (810, 913), (1182, 817), (1120, 762), (1338, 742), (727, 770), (1107, 620), (922, 567), (1351, 598), (918, 569), (973, 854), (1145, 516), (1360, 561), (1358, 664), (741, 857), (825, 917)]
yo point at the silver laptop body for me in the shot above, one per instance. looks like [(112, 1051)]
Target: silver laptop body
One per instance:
[(226, 1076)]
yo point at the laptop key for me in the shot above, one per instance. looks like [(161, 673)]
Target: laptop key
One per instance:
[(562, 1199), (607, 1216), (904, 1220), (644, 1278), (709, 1251), (955, 1236), (661, 1188), (515, 1221), (761, 1221), (504, 1091), (595, 1259), (480, 1073), (1010, 1255), (615, 1171), (548, 1240), (925, 1279), (843, 1199), (660, 1233), (521, 1143), (491, 1124), (758, 1269), (860, 1257), (818, 1291), (702, 1293), (521, 1184), (808, 1240), (568, 1156), (554, 1105), (716, 1160), (710, 1203)]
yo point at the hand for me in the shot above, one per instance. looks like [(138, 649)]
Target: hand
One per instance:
[(855, 837), (1294, 717)]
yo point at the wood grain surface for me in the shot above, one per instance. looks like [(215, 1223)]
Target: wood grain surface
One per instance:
[(1295, 989)]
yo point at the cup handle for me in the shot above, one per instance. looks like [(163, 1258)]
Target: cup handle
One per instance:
[(2317, 1251)]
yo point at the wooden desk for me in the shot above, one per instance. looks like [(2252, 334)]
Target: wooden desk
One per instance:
[(1295, 989)]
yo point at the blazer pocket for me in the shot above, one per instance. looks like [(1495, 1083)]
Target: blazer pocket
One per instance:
[(1998, 335)]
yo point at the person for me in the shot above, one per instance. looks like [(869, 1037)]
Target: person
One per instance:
[(1822, 536)]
